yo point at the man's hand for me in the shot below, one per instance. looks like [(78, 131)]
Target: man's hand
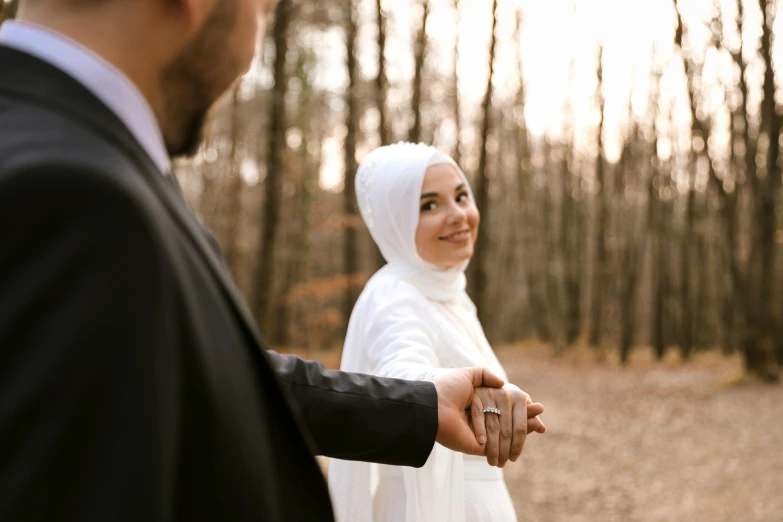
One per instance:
[(455, 393), (504, 434)]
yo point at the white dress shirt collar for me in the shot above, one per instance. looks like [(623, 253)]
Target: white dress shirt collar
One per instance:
[(101, 78)]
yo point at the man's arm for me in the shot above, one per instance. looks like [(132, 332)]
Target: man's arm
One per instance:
[(360, 417), (88, 381)]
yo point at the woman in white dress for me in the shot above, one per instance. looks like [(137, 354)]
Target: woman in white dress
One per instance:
[(412, 319)]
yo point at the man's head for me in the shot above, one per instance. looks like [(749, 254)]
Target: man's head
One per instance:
[(182, 54)]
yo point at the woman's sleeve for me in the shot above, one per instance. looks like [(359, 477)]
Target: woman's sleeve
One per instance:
[(399, 340)]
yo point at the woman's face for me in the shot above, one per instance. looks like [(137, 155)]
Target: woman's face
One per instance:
[(448, 218)]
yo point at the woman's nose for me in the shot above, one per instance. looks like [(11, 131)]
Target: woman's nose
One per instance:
[(456, 213)]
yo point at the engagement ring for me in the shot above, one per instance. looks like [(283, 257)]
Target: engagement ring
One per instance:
[(492, 410)]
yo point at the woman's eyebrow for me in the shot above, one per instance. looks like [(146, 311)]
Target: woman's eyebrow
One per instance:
[(430, 195), (459, 187)]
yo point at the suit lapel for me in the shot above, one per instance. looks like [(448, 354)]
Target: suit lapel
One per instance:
[(182, 213), (21, 80)]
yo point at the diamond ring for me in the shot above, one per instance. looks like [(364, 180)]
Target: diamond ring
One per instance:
[(492, 410)]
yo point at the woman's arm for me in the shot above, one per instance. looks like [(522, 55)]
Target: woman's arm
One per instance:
[(399, 340)]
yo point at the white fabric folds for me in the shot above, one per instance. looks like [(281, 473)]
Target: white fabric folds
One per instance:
[(411, 321)]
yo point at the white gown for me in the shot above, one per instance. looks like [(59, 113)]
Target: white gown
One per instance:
[(395, 331), (486, 498)]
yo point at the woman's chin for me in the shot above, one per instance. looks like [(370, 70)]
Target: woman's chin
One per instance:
[(457, 261)]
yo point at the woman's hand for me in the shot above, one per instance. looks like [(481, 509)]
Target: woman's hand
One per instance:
[(456, 390), (504, 435)]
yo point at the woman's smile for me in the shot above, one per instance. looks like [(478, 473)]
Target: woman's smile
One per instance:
[(457, 237)]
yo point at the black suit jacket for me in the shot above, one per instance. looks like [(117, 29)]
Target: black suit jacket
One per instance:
[(133, 383)]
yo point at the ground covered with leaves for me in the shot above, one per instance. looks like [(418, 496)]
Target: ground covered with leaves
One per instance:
[(650, 442)]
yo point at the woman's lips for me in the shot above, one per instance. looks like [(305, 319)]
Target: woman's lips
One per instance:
[(457, 237)]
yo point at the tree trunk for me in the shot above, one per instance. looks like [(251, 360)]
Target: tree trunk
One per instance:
[(478, 277), (206, 201), (767, 215), (746, 278), (569, 253), (569, 226), (264, 279), (420, 54), (601, 211), (282, 319), (455, 81), (703, 333), (577, 258), (699, 129), (658, 266), (350, 207), (235, 191), (381, 82), (635, 247), (306, 191), (686, 245), (553, 302), (526, 220)]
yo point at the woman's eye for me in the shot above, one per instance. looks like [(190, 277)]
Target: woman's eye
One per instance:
[(462, 197), (429, 205)]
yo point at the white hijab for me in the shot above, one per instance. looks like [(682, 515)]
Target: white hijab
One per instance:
[(388, 187), (407, 310)]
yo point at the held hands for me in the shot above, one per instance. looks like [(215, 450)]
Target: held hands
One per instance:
[(504, 434), (462, 396)]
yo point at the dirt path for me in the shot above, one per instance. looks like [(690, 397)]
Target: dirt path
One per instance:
[(647, 443)]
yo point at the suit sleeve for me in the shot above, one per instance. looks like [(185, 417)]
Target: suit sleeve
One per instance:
[(88, 373), (353, 416)]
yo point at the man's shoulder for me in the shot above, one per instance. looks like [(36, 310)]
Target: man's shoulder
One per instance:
[(42, 144), (31, 135), (56, 177)]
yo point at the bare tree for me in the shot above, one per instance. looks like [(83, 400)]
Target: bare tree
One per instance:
[(264, 277), (656, 227), (752, 282), (231, 247), (207, 173), (350, 208), (478, 277), (526, 211), (553, 261), (571, 226), (420, 54), (700, 138), (381, 81), (381, 89), (455, 83), (658, 269), (636, 155), (601, 211), (770, 195)]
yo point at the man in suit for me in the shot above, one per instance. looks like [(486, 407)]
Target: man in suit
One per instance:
[(133, 383)]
